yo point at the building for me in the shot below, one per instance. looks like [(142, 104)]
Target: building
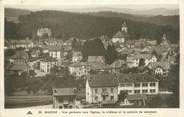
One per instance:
[(20, 44), (64, 98), (98, 59), (121, 35), (20, 57), (79, 69), (133, 60), (19, 62), (47, 63), (44, 32), (160, 68), (77, 56), (138, 84), (102, 88), (134, 100)]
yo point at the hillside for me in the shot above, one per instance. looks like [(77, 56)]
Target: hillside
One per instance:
[(158, 20), (86, 26), (13, 14)]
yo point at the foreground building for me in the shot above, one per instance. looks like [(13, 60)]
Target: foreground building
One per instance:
[(138, 84), (102, 88), (64, 98)]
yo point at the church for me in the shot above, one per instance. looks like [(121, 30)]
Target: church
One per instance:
[(122, 35)]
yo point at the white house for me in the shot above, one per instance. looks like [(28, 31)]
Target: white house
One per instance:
[(138, 84), (47, 63), (77, 56), (102, 88), (79, 69)]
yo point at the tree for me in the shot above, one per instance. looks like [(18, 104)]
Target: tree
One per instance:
[(110, 54), (122, 95), (141, 62)]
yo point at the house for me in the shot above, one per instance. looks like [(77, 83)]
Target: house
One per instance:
[(134, 100), (160, 68), (148, 58), (20, 57), (79, 68), (77, 56), (47, 63), (102, 88), (138, 84), (26, 43), (98, 59), (50, 42), (133, 60), (121, 35), (64, 98)]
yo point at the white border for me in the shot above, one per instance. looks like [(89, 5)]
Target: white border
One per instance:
[(167, 112)]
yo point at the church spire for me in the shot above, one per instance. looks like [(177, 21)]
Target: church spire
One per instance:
[(124, 27)]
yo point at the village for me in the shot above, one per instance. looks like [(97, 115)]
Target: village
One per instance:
[(132, 75)]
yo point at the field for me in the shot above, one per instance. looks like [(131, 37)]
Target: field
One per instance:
[(26, 101)]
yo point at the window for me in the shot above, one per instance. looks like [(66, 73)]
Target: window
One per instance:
[(129, 91), (136, 91), (152, 84), (112, 90), (112, 97), (152, 90), (144, 84), (145, 91), (96, 90), (137, 84), (96, 98)]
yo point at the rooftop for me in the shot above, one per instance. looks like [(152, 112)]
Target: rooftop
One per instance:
[(133, 78), (21, 54), (64, 91), (103, 80)]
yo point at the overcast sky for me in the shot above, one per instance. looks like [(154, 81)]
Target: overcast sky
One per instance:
[(69, 4)]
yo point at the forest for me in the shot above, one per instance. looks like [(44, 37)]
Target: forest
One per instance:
[(89, 25)]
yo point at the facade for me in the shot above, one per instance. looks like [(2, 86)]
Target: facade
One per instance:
[(64, 98), (138, 84), (77, 56), (102, 88), (47, 63), (44, 31), (79, 69)]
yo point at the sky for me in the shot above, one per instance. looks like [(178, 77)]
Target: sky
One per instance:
[(69, 4)]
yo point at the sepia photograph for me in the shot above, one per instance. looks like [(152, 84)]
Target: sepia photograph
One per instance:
[(92, 56)]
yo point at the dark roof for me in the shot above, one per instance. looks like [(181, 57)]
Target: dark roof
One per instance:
[(163, 64), (65, 91), (21, 54), (136, 97), (103, 80), (133, 78)]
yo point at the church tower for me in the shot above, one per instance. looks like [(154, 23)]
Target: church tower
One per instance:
[(124, 27)]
